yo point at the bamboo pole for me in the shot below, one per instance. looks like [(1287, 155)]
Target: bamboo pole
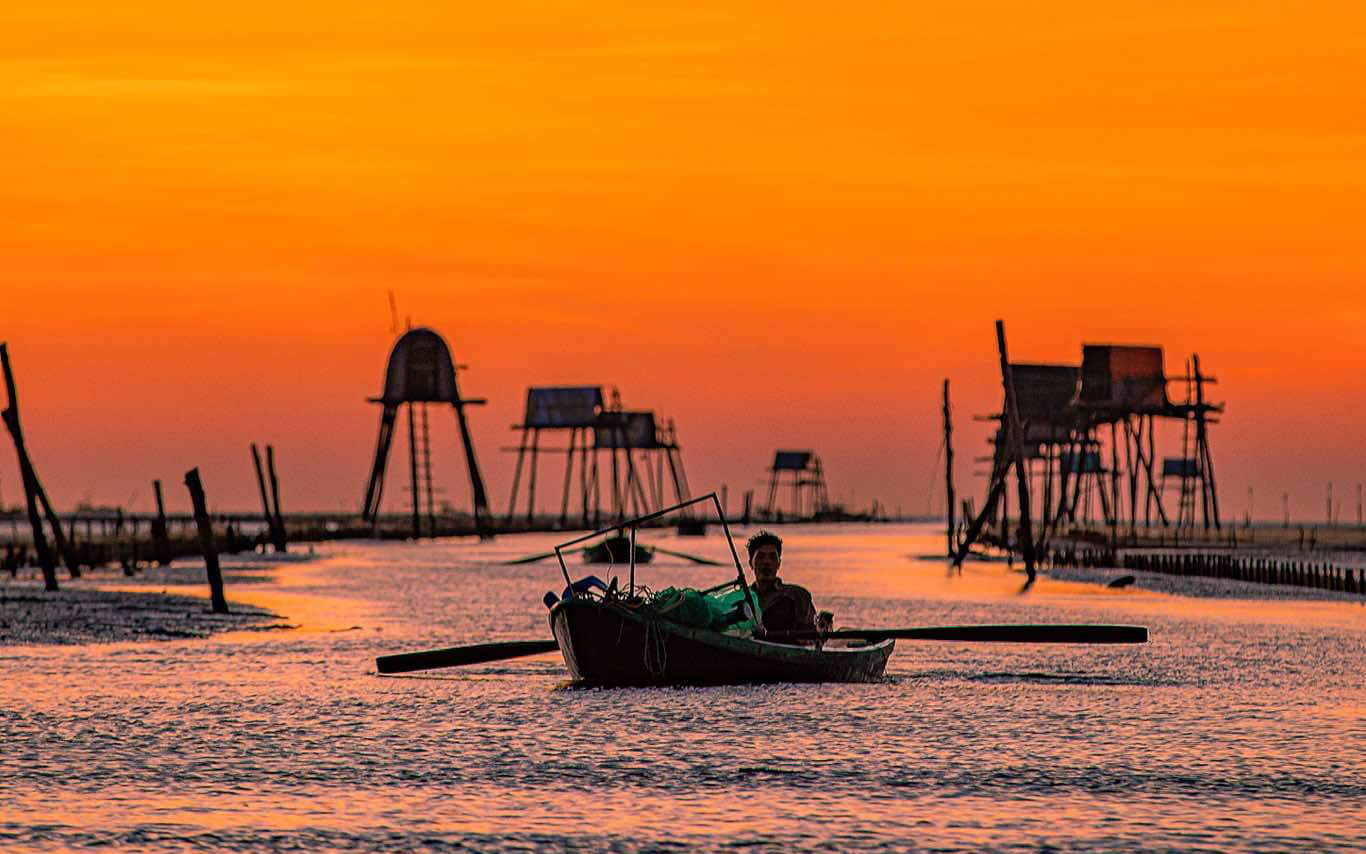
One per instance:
[(1116, 503), (30, 478), (265, 496), (426, 476), (517, 473), (1017, 451), (412, 466), (281, 541), (974, 524), (1131, 439), (948, 470), (531, 480), (160, 534), (64, 547), (568, 475), (1207, 484), (206, 543), (479, 495), (584, 490)]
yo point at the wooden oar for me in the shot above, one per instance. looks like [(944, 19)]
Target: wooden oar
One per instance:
[(694, 558), (481, 653), (1044, 633), (528, 559), (478, 653)]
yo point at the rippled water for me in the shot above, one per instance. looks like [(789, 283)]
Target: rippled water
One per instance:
[(1239, 727)]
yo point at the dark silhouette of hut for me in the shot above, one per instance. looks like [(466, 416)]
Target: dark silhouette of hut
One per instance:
[(421, 371)]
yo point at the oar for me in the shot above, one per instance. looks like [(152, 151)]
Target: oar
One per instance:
[(478, 653), (1045, 633), (528, 559), (694, 558)]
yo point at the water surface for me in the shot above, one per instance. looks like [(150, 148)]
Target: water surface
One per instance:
[(1239, 727)]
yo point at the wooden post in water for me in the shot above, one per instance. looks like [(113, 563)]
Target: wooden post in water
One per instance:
[(160, 535), (30, 474), (281, 540), (1017, 450), (265, 497), (40, 546), (30, 478), (206, 544), (64, 547), (948, 470), (267, 514)]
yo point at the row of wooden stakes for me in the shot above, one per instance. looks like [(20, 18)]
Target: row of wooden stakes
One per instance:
[(40, 509), (1257, 570)]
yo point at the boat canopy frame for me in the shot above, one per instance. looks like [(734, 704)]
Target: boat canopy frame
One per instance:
[(629, 527)]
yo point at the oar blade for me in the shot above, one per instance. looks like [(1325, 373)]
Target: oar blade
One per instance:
[(1042, 633), (479, 653)]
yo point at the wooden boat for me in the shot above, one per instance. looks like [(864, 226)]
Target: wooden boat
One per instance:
[(616, 550), (692, 527), (606, 643)]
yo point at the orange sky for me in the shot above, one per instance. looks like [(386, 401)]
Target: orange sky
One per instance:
[(782, 226)]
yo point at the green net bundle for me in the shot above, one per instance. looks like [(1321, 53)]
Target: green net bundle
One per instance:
[(717, 609)]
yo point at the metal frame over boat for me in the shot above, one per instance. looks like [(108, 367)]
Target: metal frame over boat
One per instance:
[(606, 641)]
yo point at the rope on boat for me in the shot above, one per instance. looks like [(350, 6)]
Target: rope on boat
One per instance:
[(656, 642)]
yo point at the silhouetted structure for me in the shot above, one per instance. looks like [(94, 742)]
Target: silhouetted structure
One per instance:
[(421, 371), (638, 451), (803, 471), (1072, 417), (572, 408)]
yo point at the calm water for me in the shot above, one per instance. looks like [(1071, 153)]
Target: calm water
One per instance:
[(1242, 726)]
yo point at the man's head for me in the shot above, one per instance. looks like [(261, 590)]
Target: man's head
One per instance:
[(765, 555)]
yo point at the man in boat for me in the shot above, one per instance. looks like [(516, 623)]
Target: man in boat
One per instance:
[(785, 607)]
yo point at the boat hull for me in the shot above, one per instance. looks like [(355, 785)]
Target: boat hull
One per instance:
[(606, 644)]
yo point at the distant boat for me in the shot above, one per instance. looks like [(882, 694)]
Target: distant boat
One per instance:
[(617, 550), (692, 527)]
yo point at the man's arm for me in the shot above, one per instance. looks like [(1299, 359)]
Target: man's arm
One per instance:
[(806, 609)]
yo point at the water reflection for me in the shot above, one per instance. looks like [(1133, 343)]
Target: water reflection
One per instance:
[(1238, 727)]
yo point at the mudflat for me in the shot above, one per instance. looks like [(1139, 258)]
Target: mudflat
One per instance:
[(83, 612)]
